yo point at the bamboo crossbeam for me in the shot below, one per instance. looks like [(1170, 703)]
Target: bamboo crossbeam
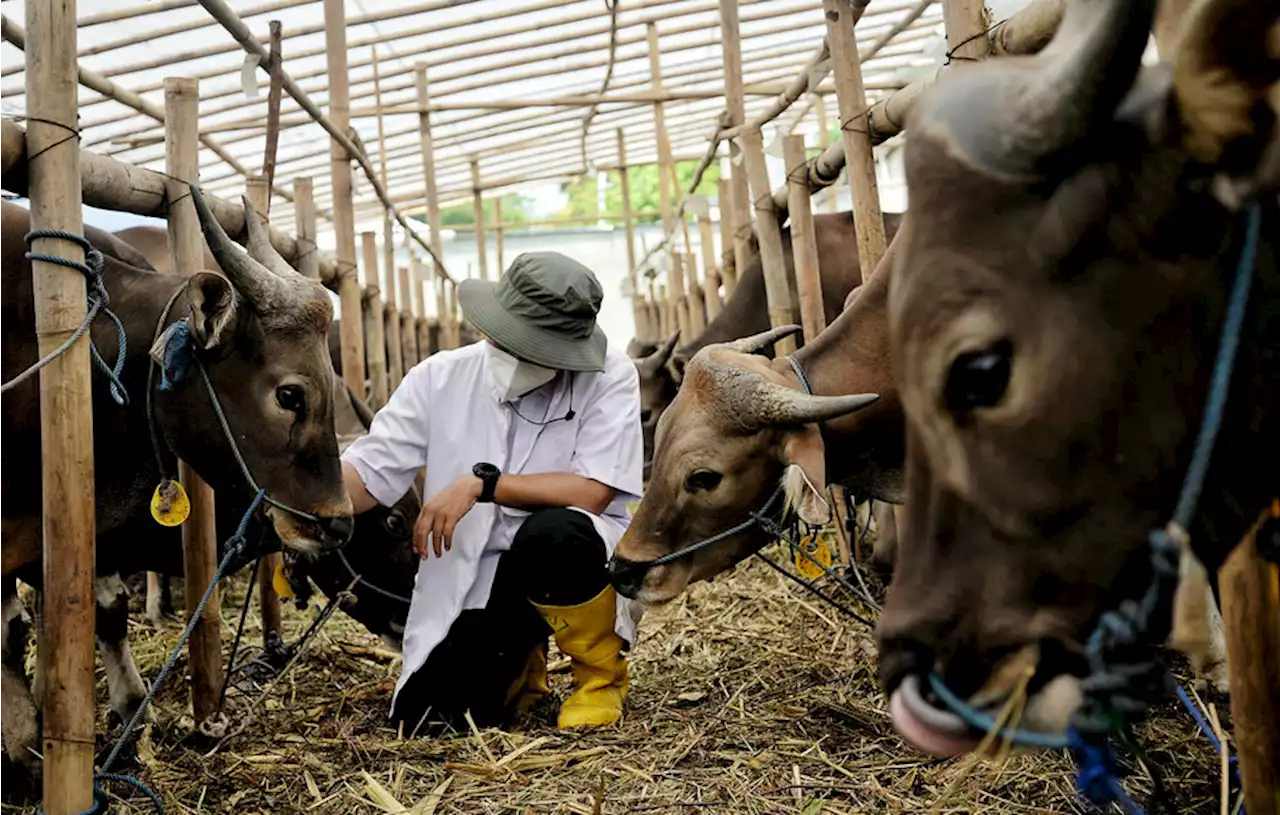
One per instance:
[(236, 27), (657, 95), (130, 12), (114, 185)]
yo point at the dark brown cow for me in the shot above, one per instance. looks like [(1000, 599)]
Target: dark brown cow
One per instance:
[(746, 312), (259, 333), (1056, 307)]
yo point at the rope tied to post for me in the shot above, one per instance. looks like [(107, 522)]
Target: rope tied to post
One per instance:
[(98, 300)]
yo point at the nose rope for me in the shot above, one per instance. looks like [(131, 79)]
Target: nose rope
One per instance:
[(1119, 690)]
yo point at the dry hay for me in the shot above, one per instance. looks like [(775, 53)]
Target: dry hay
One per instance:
[(746, 697)]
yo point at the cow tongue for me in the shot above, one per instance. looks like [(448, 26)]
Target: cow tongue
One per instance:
[(927, 728)]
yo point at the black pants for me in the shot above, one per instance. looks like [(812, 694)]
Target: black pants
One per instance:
[(556, 558)]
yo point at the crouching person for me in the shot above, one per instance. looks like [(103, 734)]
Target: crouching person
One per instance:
[(531, 441)]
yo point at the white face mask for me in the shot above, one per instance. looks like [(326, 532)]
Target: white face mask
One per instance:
[(515, 377)]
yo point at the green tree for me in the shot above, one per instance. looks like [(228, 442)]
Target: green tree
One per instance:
[(645, 191), (515, 207)]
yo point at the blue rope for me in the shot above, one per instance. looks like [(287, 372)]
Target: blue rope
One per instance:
[(98, 300)]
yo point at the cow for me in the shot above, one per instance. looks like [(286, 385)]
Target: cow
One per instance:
[(1055, 313), (746, 313), (740, 422), (258, 335), (382, 547)]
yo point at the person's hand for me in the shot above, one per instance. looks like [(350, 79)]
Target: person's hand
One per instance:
[(441, 513)]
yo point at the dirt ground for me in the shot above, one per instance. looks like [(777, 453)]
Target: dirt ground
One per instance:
[(746, 697)]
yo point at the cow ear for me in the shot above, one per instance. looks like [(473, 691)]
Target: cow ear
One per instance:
[(213, 309), (1226, 82), (676, 366), (805, 479)]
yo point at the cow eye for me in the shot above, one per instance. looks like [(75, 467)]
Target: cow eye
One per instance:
[(395, 525), (645, 415), (978, 379), (700, 480), (291, 398)]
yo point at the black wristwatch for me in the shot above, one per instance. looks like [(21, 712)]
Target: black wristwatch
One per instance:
[(488, 475)]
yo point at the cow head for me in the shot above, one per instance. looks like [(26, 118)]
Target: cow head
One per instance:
[(658, 388), (259, 332), (1055, 310), (736, 430)]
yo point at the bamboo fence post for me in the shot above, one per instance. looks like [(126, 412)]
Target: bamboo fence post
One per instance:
[(643, 331), (665, 191), (442, 316), (679, 300), (735, 105), (966, 23), (832, 203), (711, 274), (199, 532), (478, 204), (664, 312), (804, 241), (374, 325), (455, 324), (344, 225), (697, 309), (304, 219), (418, 274), (1249, 588), (728, 237), (408, 336), (427, 146), (66, 413), (860, 163), (258, 190), (391, 314), (497, 219), (653, 310)]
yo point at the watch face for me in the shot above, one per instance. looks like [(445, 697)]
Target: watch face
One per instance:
[(484, 470)]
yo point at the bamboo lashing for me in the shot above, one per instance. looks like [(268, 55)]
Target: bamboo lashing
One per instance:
[(66, 415)]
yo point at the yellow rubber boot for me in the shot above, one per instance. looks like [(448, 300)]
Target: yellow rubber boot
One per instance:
[(531, 686), (585, 634)]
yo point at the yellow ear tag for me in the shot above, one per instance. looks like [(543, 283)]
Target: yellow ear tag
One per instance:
[(169, 504), (281, 583), (813, 548)]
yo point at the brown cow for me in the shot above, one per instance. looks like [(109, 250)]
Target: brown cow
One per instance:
[(1056, 308), (259, 333)]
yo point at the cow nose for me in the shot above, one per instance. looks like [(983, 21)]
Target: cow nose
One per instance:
[(338, 529), (627, 575)]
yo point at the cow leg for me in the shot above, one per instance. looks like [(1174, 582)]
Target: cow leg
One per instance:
[(1197, 625), (21, 724), (124, 685), (155, 599)]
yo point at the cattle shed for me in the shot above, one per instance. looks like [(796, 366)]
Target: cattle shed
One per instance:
[(350, 127)]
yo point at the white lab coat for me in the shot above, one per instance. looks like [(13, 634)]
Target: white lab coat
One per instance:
[(447, 415)]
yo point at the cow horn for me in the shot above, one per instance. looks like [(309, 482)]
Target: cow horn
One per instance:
[(650, 365), (772, 404), (259, 243), (759, 342), (249, 277), (1015, 121)]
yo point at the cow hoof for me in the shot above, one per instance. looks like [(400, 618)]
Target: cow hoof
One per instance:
[(124, 709)]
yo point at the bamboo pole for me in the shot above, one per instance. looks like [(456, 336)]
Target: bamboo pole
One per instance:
[(304, 216), (199, 533), (966, 22), (478, 204), (418, 276), (391, 311), (427, 147), (851, 99), (66, 415), (832, 203), (1249, 588), (259, 195), (665, 191), (374, 325), (642, 329), (442, 316), (664, 312), (804, 241), (344, 225), (728, 239), (697, 308), (711, 274), (497, 218), (735, 114), (679, 298), (276, 68), (408, 336), (653, 312)]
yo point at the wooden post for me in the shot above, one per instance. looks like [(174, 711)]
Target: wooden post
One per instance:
[(653, 308), (408, 336), (679, 302), (391, 315), (199, 533), (697, 309), (804, 241), (418, 274), (259, 194), (728, 238), (497, 220), (824, 141), (643, 331), (344, 222), (860, 163), (711, 274), (429, 167), (66, 412), (664, 312), (966, 23), (442, 315), (735, 104), (665, 191), (304, 217), (1249, 588), (478, 201), (374, 326)]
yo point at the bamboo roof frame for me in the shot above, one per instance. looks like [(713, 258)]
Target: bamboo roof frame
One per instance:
[(483, 57)]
